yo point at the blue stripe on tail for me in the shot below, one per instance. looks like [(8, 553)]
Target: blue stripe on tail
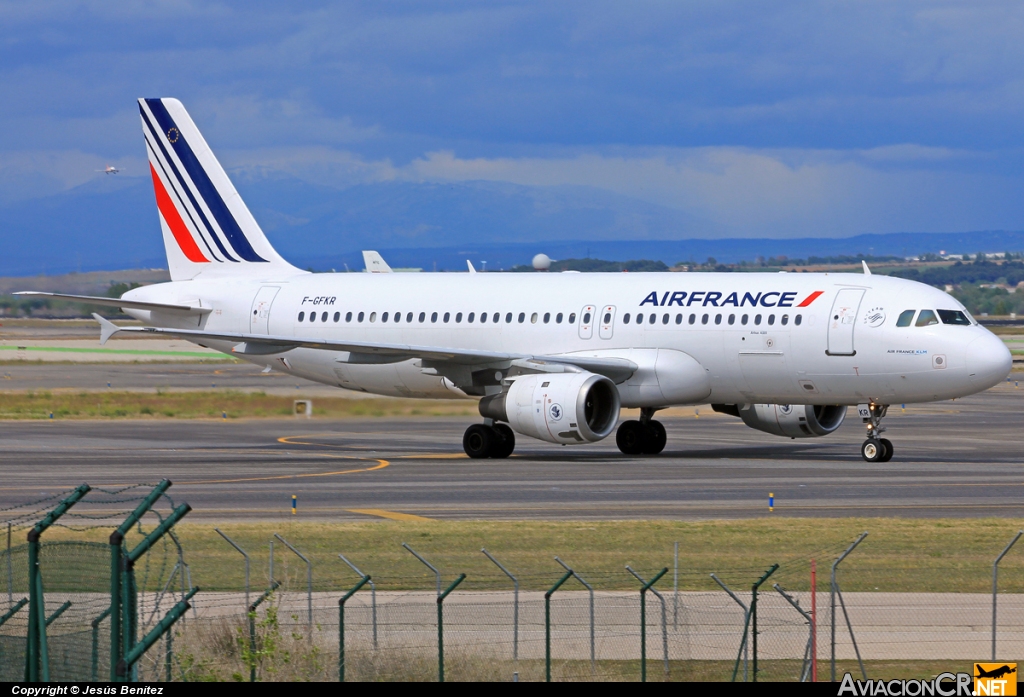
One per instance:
[(207, 190)]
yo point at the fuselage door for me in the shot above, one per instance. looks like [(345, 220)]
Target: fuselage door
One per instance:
[(259, 317), (587, 320), (842, 321), (607, 322)]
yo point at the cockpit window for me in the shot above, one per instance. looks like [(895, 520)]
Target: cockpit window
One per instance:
[(954, 317), (906, 318), (927, 318)]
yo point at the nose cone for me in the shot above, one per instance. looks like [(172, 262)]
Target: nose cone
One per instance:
[(988, 361)]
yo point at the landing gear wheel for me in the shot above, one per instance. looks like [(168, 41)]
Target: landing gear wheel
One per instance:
[(887, 444), (479, 441), (656, 438), (630, 437), (504, 442), (872, 450)]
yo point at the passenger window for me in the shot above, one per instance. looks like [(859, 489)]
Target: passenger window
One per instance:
[(743, 319), (312, 317), (348, 316), (798, 319), (483, 317), (359, 317), (433, 316), (458, 317), (679, 318), (693, 318), (302, 316), (408, 317), (732, 319), (383, 318), (625, 318), (398, 317), (547, 317), (447, 316), (704, 319), (757, 319), (533, 318), (373, 316), (508, 318), (639, 318), (664, 318), (906, 318), (608, 317), (558, 318), (423, 316), (522, 317), (718, 319), (323, 317), (572, 318), (337, 316), (771, 320), (586, 318), (785, 320), (927, 318), (470, 318), (954, 317), (652, 319)]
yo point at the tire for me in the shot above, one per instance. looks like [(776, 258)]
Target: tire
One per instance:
[(655, 439), (887, 444), (478, 441), (504, 443), (631, 437), (872, 450)]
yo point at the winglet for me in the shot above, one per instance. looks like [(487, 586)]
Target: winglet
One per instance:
[(107, 328), (470, 265), (867, 271)]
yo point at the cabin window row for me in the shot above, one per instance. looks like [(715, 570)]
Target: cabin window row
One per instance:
[(410, 317), (706, 318)]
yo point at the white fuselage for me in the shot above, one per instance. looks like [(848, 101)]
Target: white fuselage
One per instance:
[(747, 331)]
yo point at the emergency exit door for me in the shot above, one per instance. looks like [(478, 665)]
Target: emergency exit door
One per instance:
[(842, 321)]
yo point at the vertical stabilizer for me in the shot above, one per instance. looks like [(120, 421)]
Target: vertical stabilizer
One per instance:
[(207, 227)]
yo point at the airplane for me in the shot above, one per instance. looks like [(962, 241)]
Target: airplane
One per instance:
[(995, 673), (109, 169), (552, 356)]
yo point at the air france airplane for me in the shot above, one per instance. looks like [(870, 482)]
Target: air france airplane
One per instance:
[(553, 356)]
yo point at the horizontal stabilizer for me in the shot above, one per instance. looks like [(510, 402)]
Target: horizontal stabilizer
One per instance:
[(118, 302)]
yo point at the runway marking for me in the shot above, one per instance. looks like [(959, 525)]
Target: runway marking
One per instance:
[(390, 515), (381, 464), (437, 456)]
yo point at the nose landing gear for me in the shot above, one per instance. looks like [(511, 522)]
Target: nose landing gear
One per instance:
[(643, 437), (489, 440), (875, 449)]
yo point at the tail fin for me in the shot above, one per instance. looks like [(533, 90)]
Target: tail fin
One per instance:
[(207, 227)]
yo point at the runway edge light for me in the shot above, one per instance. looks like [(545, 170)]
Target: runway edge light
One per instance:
[(295, 504), (771, 502)]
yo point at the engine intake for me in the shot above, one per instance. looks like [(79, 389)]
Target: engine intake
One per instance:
[(557, 407), (788, 420)]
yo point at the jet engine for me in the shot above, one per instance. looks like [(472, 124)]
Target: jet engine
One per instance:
[(788, 420), (557, 407)]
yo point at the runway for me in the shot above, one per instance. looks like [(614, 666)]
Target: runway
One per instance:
[(959, 458)]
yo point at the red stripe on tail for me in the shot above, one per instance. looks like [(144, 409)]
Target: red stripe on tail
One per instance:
[(810, 298), (178, 228)]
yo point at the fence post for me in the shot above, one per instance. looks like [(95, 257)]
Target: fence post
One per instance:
[(440, 625), (240, 551), (753, 610), (309, 582), (341, 624), (373, 598), (743, 642), (37, 659), (995, 576), (251, 612), (836, 590), (590, 589), (430, 566), (647, 585), (814, 621), (547, 623), (515, 606), (10, 569), (805, 668), (675, 588), (126, 664)]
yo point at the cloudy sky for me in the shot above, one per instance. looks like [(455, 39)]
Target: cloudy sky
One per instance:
[(748, 119)]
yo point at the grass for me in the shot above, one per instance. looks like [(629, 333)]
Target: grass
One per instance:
[(208, 404), (939, 555)]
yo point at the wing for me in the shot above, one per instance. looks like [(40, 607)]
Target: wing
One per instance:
[(118, 302), (617, 369)]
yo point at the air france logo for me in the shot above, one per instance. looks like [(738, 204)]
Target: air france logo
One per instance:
[(704, 298), (555, 410)]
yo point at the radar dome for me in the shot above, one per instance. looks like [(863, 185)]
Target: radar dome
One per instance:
[(542, 262)]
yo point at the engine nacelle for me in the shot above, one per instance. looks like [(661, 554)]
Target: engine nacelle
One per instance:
[(557, 407), (788, 420)]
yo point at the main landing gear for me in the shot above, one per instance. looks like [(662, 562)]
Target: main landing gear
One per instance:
[(875, 449), (643, 437), (489, 440)]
